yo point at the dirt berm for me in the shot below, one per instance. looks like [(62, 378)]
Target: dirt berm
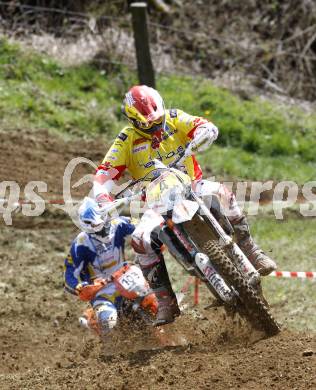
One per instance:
[(43, 347)]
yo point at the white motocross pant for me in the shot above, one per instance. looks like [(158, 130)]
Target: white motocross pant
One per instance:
[(141, 238)]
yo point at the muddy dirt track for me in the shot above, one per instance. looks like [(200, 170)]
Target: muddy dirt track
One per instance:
[(43, 347)]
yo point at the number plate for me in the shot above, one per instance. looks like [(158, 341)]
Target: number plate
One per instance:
[(131, 278)]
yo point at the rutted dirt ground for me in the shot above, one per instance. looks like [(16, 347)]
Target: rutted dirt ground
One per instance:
[(41, 155), (43, 347)]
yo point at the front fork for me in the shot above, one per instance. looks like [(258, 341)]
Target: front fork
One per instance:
[(231, 248), (186, 253)]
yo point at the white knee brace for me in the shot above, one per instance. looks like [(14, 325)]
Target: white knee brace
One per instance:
[(107, 316)]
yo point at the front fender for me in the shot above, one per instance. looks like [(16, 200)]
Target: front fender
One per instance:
[(184, 211)]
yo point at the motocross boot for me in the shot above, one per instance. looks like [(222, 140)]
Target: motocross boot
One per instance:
[(158, 279), (262, 263)]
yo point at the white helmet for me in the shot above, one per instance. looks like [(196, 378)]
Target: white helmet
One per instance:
[(90, 218)]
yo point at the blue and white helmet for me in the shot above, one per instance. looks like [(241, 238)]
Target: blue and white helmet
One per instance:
[(90, 218)]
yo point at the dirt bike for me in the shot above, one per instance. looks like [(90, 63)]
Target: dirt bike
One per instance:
[(139, 303), (201, 240)]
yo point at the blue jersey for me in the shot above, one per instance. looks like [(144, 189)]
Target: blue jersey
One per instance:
[(90, 258)]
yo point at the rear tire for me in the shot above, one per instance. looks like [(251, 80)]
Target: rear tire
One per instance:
[(250, 303)]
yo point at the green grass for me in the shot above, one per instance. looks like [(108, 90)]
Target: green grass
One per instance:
[(38, 93), (292, 244), (258, 140), (235, 163), (256, 126)]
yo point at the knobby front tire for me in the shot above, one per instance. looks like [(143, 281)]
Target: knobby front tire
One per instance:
[(256, 310)]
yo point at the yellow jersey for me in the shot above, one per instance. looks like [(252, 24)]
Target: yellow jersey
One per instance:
[(132, 148)]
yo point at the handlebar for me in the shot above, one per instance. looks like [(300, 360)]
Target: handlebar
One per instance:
[(110, 207)]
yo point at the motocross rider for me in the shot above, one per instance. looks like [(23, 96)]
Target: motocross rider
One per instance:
[(156, 133), (94, 255)]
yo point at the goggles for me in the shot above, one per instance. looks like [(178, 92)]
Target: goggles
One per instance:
[(149, 127), (95, 227)]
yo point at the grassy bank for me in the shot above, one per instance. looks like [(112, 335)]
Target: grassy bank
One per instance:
[(257, 139)]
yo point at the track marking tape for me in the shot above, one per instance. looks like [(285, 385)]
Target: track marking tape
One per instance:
[(294, 274), (278, 274)]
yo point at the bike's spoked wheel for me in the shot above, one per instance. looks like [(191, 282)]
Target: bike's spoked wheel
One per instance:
[(253, 306)]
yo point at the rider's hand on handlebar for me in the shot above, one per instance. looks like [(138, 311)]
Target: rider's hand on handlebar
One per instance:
[(87, 292), (80, 287), (204, 136)]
